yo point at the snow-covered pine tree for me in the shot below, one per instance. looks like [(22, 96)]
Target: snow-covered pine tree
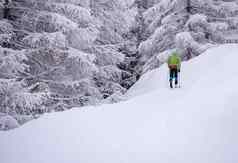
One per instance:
[(57, 54), (190, 26)]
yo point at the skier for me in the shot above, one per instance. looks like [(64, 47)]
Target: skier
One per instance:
[(174, 64)]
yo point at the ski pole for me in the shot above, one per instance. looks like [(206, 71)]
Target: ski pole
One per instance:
[(167, 80), (180, 79)]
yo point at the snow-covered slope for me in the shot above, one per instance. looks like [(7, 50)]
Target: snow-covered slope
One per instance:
[(195, 124)]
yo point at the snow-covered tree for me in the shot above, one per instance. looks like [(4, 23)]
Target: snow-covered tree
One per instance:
[(57, 54), (65, 53), (190, 26)]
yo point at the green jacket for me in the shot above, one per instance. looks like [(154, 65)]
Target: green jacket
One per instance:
[(174, 61)]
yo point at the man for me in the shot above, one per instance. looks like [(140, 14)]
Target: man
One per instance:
[(174, 64)]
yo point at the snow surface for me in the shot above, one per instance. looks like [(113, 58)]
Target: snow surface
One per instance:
[(195, 124)]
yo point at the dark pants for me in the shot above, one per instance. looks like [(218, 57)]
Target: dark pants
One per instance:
[(173, 75)]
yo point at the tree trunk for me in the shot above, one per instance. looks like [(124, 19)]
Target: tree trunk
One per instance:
[(6, 10), (189, 7)]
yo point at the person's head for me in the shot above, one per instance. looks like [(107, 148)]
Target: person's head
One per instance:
[(174, 53), (177, 52)]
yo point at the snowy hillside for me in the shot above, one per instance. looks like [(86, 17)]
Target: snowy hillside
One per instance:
[(195, 124)]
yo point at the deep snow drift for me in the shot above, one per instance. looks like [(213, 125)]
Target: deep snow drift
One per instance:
[(195, 124)]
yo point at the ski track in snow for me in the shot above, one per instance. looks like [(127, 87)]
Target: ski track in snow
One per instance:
[(195, 124)]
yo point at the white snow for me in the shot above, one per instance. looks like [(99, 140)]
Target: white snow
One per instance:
[(195, 124)]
